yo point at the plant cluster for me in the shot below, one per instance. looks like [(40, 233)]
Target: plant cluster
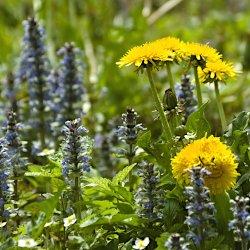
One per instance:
[(185, 188)]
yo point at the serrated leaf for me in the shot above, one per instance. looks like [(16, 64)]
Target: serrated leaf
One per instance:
[(99, 181), (121, 193), (144, 140), (197, 123), (121, 176), (42, 171)]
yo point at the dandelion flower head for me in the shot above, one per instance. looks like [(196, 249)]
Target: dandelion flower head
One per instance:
[(201, 52), (146, 54), (171, 44), (212, 154), (216, 71)]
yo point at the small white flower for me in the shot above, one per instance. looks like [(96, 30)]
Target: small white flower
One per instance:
[(69, 220), (46, 152), (28, 243), (141, 244), (2, 224)]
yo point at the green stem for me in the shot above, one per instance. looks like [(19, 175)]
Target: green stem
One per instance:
[(198, 87), (77, 197), (130, 160), (220, 106), (244, 245), (165, 124), (170, 77)]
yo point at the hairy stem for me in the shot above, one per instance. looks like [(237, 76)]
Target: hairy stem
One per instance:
[(165, 124), (198, 87)]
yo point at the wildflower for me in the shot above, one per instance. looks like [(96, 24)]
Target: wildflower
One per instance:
[(129, 132), (28, 243), (149, 195), (5, 174), (176, 242), (200, 209), (76, 149), (172, 44), (184, 92), (147, 54), (200, 53), (69, 220), (216, 71), (215, 156), (141, 244), (11, 92), (2, 224), (70, 80), (240, 225), (34, 67)]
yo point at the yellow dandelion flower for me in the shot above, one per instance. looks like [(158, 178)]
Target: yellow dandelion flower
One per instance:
[(201, 52), (216, 71), (215, 156), (148, 53), (173, 44)]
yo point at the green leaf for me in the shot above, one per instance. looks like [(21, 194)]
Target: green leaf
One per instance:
[(215, 243), (42, 171), (121, 176), (102, 184), (121, 193), (46, 207), (197, 123), (144, 141), (223, 214), (170, 211), (127, 219), (8, 244), (242, 179), (161, 241)]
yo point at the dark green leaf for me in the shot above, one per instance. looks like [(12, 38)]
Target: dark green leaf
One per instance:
[(197, 123)]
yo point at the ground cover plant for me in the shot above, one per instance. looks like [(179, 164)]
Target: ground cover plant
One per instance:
[(171, 171)]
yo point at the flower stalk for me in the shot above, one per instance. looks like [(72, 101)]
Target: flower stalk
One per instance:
[(165, 125), (170, 76), (198, 87), (220, 106), (76, 157)]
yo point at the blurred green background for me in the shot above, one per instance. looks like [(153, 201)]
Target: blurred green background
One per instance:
[(106, 29)]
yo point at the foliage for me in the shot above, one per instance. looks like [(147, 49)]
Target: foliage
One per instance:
[(114, 189)]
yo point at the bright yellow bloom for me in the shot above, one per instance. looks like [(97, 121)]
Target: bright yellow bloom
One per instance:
[(173, 44), (216, 71), (201, 52), (145, 54), (212, 154)]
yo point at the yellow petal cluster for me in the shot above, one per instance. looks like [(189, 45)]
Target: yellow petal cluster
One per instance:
[(216, 71), (209, 61), (145, 54), (201, 52), (161, 50), (212, 154), (173, 44)]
